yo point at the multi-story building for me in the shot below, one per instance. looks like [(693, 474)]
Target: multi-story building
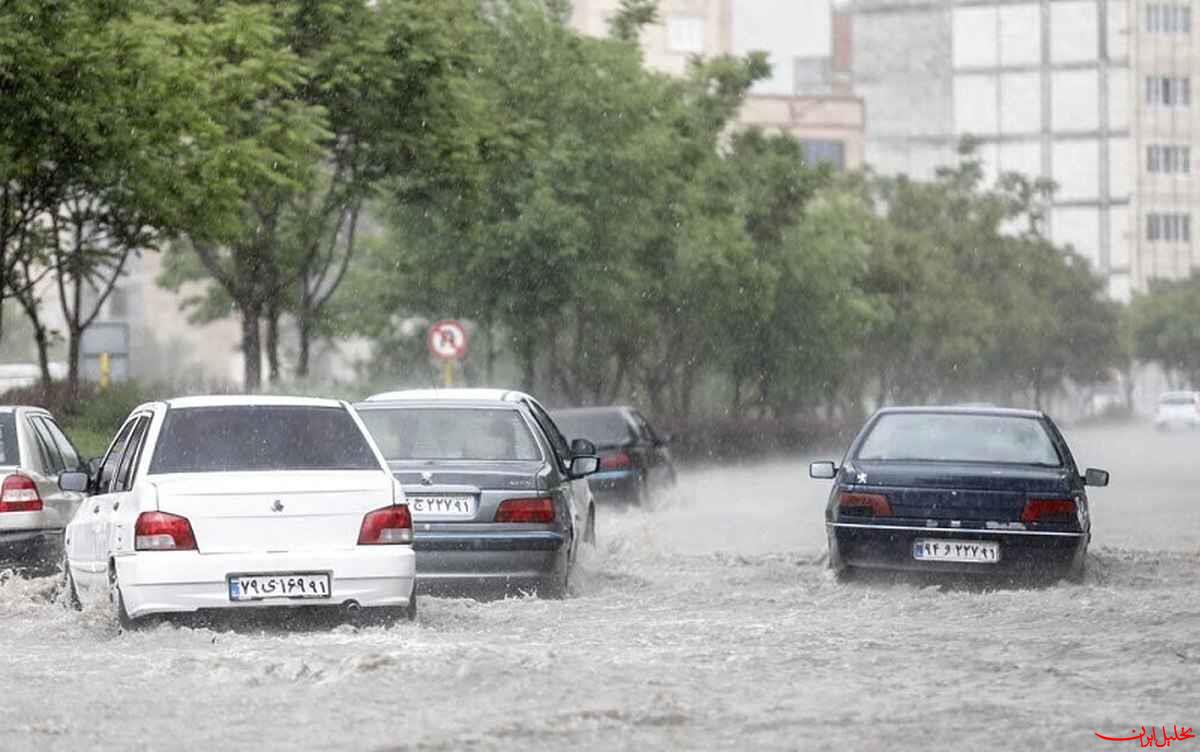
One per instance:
[(807, 93), (1043, 86), (1165, 56)]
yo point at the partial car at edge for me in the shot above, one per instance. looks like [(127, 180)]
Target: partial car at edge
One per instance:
[(635, 461)]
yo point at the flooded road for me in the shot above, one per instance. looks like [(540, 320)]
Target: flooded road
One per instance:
[(709, 622)]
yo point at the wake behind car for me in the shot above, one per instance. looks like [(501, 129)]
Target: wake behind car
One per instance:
[(241, 503), (635, 462), (499, 498), (34, 510), (987, 491)]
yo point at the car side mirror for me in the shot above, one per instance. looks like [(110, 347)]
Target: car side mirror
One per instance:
[(822, 470), (582, 448), (1094, 477), (74, 481), (581, 467)]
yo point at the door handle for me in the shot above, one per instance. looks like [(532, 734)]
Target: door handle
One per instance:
[(96, 509), (116, 505)]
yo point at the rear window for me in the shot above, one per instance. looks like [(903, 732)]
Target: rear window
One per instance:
[(930, 437), (258, 437), (607, 427), (9, 453), (447, 433)]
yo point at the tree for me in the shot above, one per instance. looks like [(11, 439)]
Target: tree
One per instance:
[(1165, 323)]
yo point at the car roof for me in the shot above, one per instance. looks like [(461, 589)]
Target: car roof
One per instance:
[(250, 400), (594, 410), (1179, 393), (31, 408), (960, 410), (448, 395)]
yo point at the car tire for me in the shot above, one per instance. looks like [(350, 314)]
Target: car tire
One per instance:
[(589, 534), (70, 595), (641, 492), (557, 585), (122, 617)]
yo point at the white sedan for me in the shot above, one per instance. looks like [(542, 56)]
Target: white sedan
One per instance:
[(241, 502)]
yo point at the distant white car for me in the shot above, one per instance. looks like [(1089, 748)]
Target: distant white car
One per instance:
[(239, 503), (34, 510), (1177, 410)]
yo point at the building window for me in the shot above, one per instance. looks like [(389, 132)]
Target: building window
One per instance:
[(1168, 18), (685, 34), (832, 153), (1169, 160), (1169, 227), (1169, 91)]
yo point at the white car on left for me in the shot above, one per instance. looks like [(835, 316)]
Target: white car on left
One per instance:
[(241, 502), (34, 510)]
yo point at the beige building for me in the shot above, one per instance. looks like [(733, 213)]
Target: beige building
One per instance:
[(1166, 131), (807, 94)]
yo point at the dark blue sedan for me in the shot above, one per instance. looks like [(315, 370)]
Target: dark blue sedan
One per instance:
[(977, 490)]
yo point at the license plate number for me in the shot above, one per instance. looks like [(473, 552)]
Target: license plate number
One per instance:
[(443, 506), (977, 552), (259, 587)]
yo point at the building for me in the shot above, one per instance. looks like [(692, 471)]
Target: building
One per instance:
[(1044, 85), (808, 93), (1165, 130)]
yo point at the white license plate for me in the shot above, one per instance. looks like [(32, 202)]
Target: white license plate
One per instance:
[(443, 506), (976, 552), (258, 587)]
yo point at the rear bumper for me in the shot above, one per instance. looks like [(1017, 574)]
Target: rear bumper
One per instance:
[(446, 561), (156, 582), (30, 544), (1028, 553)]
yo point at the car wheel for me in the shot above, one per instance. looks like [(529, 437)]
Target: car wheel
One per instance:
[(122, 617), (641, 492), (556, 585), (70, 595), (589, 535)]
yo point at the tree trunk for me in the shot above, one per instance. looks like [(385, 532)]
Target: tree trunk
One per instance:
[(528, 364), (41, 338), (73, 348), (304, 330), (251, 348), (273, 346), (490, 365)]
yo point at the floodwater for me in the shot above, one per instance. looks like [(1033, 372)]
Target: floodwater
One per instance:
[(710, 622)]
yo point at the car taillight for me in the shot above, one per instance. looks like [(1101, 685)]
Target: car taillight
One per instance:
[(526, 510), (1049, 510), (863, 505), (19, 494), (389, 525), (615, 461), (159, 531)]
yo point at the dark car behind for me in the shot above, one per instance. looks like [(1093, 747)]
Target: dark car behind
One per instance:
[(989, 491), (635, 461)]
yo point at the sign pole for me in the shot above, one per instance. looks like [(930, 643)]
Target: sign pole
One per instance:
[(448, 373)]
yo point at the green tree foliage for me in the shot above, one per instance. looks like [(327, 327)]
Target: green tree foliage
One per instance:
[(1165, 327)]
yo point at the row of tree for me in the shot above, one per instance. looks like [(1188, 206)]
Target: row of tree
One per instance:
[(335, 168)]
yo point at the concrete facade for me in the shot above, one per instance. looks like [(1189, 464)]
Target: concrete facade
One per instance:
[(1044, 85)]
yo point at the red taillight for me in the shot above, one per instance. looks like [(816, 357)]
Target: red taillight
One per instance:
[(863, 505), (615, 461), (1049, 510), (526, 510), (19, 494), (389, 525), (159, 531)]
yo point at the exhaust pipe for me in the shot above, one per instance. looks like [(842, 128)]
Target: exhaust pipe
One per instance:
[(351, 607)]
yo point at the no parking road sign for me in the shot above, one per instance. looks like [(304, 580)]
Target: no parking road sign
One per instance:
[(447, 340)]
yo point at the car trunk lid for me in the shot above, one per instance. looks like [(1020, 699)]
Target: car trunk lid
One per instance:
[(465, 492), (274, 510)]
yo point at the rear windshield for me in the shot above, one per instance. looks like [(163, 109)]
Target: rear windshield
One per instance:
[(9, 453), (258, 437), (607, 427), (448, 433), (1177, 399), (960, 438)]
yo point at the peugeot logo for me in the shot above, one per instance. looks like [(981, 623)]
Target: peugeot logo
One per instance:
[(277, 506), (426, 479)]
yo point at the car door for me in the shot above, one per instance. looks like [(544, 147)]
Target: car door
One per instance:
[(85, 554), (576, 491), (658, 456), (110, 531), (60, 455)]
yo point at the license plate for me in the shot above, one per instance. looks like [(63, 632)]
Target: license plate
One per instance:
[(976, 552), (258, 587), (443, 506)]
